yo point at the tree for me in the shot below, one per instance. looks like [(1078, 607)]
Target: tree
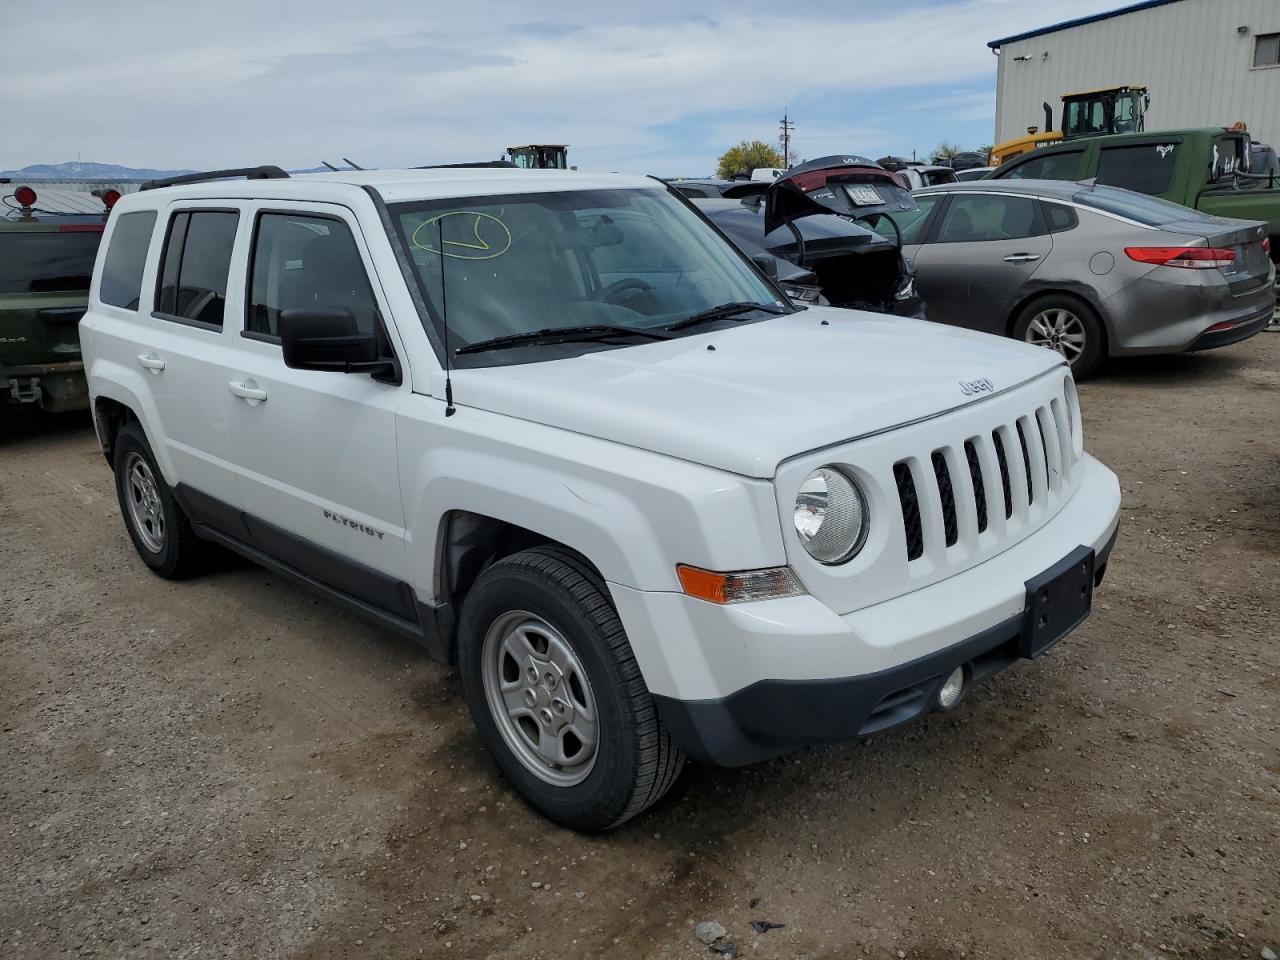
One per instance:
[(945, 151), (747, 156)]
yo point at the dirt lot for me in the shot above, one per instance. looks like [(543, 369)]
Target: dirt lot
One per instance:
[(231, 768)]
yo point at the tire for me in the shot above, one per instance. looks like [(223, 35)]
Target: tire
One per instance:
[(1066, 317), (160, 531), (536, 604)]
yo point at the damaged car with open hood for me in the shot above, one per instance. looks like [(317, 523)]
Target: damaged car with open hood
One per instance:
[(553, 426)]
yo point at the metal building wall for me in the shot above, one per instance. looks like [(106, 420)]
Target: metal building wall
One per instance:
[(1198, 68)]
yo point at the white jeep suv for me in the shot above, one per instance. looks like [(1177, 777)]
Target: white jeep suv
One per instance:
[(556, 428)]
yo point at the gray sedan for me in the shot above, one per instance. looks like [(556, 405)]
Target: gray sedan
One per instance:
[(1089, 271)]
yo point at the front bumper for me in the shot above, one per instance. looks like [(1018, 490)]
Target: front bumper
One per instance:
[(743, 682), (773, 717)]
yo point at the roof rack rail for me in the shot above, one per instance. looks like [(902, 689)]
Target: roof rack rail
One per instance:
[(474, 164), (265, 172)]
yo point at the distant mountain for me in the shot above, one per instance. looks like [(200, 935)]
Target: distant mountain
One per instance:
[(86, 170)]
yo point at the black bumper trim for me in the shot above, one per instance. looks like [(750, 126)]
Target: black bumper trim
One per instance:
[(773, 717), (1213, 339)]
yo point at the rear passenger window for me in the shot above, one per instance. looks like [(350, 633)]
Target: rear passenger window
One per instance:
[(1061, 218), (121, 284), (193, 272), (1062, 165), (1146, 168), (302, 261)]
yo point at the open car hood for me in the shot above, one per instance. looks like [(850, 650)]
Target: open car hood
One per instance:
[(846, 191)]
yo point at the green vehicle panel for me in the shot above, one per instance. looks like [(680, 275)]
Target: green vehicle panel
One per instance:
[(1206, 169), (46, 262)]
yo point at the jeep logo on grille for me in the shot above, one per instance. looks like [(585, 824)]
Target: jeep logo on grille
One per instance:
[(981, 385)]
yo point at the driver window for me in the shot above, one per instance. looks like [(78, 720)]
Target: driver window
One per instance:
[(301, 261)]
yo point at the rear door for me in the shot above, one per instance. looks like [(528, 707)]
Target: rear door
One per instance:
[(316, 449), (181, 348), (978, 256)]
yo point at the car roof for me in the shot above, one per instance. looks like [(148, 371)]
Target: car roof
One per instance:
[(1052, 189), (393, 185)]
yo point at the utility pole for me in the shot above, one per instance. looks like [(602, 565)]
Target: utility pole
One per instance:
[(787, 128)]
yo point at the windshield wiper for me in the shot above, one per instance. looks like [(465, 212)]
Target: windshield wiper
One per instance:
[(594, 331), (724, 311)]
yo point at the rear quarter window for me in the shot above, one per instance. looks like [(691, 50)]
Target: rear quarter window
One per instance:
[(121, 284), (1145, 168)]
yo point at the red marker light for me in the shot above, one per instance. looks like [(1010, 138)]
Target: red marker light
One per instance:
[(109, 197), (25, 196)]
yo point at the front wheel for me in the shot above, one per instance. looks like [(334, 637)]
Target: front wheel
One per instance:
[(1066, 325), (557, 695)]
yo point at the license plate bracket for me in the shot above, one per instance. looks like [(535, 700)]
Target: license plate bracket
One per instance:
[(1058, 601)]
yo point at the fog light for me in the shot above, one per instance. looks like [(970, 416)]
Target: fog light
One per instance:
[(950, 693)]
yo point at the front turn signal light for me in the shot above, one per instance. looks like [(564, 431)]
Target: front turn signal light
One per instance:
[(771, 583)]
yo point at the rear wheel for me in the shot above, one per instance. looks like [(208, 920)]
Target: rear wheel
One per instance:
[(1066, 325), (160, 531), (557, 695)]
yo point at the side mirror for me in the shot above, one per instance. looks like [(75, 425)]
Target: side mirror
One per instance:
[(329, 339), (767, 264)]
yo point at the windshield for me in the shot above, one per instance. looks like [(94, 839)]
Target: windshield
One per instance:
[(1150, 211), (47, 262), (520, 263)]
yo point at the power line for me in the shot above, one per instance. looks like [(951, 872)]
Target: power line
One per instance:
[(787, 128)]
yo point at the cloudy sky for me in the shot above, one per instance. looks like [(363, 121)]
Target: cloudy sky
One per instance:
[(659, 86)]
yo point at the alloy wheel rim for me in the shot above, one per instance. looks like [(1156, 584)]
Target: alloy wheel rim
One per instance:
[(143, 497), (1058, 329), (540, 698)]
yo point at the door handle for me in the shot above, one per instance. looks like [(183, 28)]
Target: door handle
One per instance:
[(149, 361), (1022, 258), (247, 390)]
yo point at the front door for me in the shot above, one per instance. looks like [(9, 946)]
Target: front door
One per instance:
[(976, 262), (317, 449)]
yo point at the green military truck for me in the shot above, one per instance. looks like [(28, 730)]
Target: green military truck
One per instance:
[(46, 261)]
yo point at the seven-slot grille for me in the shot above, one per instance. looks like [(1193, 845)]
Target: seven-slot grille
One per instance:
[(992, 482)]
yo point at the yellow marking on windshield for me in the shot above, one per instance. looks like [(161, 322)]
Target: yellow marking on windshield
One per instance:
[(481, 249)]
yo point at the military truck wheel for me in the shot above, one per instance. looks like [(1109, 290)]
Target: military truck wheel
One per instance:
[(160, 531)]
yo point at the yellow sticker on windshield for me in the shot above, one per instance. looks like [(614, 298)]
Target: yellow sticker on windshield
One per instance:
[(489, 236)]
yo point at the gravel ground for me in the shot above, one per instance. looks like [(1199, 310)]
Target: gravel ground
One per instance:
[(230, 767)]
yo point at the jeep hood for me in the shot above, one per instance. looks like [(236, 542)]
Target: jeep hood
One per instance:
[(768, 390)]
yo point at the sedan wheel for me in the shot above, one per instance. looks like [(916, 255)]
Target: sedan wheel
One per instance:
[(1059, 329)]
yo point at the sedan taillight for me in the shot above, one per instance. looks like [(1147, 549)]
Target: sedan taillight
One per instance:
[(1189, 258)]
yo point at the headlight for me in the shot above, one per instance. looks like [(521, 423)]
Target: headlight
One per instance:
[(830, 516)]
